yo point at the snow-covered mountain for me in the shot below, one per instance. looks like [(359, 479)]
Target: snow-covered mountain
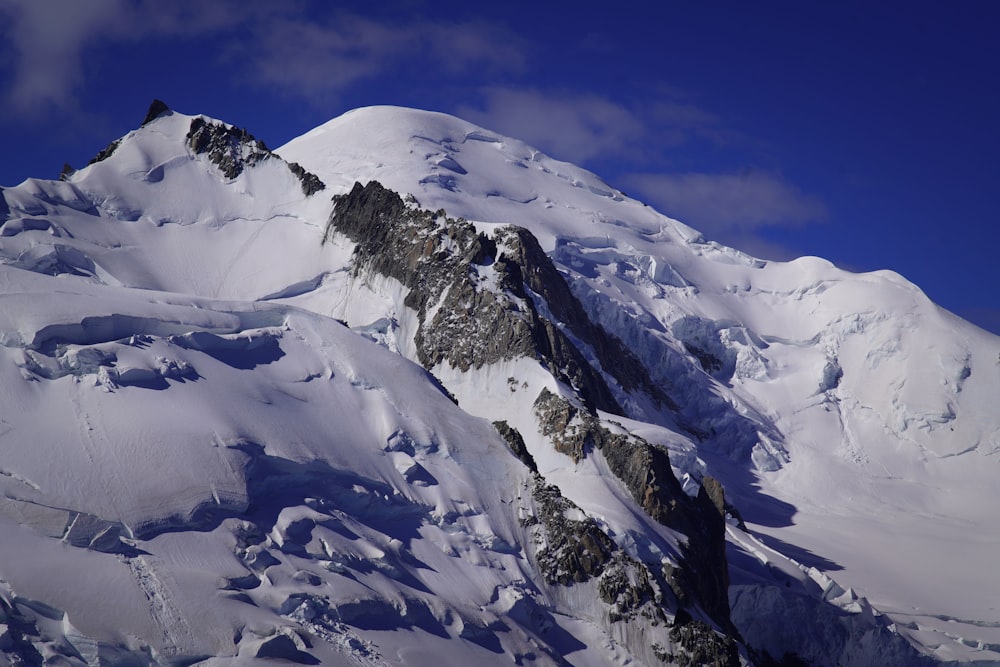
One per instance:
[(406, 391)]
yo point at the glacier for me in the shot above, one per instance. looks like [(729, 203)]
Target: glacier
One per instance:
[(406, 391)]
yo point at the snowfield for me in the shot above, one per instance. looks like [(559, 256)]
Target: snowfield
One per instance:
[(218, 444)]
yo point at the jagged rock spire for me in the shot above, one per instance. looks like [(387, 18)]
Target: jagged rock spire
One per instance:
[(156, 109)]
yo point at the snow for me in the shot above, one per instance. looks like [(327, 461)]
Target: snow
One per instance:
[(870, 404), (186, 418)]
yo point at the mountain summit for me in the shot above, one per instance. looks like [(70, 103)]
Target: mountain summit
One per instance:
[(406, 391)]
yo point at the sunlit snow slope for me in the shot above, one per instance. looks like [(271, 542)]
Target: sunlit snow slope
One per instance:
[(217, 441), (875, 441)]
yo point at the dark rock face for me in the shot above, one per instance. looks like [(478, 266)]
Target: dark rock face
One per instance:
[(574, 550), (516, 444), (699, 646), (577, 550), (106, 152), (156, 109), (480, 301), (645, 471), (542, 277), (444, 261), (310, 181), (570, 429), (234, 149), (231, 149), (630, 589)]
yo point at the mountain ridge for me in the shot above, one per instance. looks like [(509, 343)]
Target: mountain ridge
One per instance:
[(763, 375)]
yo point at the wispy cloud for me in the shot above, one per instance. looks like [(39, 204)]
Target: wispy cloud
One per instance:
[(314, 52), (301, 49), (579, 127), (730, 207), (642, 134), (49, 41), (318, 58), (46, 39)]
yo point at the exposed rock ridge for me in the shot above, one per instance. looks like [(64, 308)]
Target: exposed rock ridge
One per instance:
[(476, 303), (106, 152), (229, 148), (571, 548), (645, 471), (476, 296), (233, 149), (516, 443), (543, 278), (156, 109)]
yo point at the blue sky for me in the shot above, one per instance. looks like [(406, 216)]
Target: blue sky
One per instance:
[(863, 132)]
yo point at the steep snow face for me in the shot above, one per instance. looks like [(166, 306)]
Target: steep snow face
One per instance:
[(468, 171), (862, 410)]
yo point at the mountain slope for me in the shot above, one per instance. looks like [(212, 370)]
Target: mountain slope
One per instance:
[(862, 410), (230, 415)]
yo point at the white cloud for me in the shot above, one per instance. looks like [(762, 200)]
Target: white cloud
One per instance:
[(314, 55), (276, 45), (47, 38), (317, 59), (50, 40), (725, 206), (586, 127), (573, 127), (578, 127)]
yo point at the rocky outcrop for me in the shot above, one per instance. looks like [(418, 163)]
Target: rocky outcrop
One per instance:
[(516, 443), (569, 429), (156, 109), (482, 300), (229, 148), (630, 589), (233, 150), (310, 181), (700, 647), (106, 152), (644, 469), (542, 277), (571, 548)]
